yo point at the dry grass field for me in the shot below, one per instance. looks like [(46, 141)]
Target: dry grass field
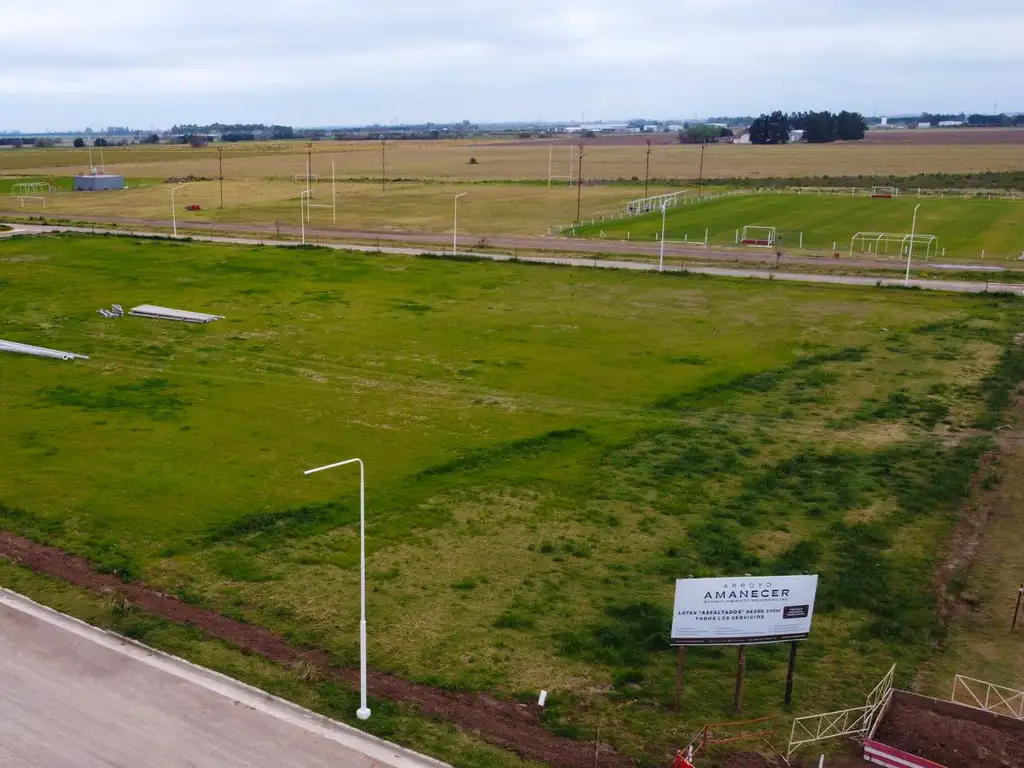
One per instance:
[(450, 161)]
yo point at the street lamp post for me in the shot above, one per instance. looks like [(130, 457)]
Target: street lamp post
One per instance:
[(455, 223), (304, 211), (661, 259), (910, 254), (363, 713), (174, 213)]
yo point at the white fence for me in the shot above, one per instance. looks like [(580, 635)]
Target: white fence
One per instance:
[(856, 721), (988, 697)]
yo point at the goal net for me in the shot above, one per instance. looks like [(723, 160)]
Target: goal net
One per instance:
[(900, 244), (763, 237), (885, 192), (30, 199)]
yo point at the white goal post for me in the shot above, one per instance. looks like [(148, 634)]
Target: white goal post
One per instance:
[(894, 244), (31, 199), (30, 188), (885, 192), (761, 237)]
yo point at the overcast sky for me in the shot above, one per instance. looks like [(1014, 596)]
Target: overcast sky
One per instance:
[(152, 63)]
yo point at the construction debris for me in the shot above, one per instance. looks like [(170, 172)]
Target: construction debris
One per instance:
[(28, 349), (114, 311), (164, 313)]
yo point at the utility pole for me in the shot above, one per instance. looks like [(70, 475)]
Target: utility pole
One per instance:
[(383, 165), (647, 172), (309, 164), (220, 162), (700, 176), (579, 184)]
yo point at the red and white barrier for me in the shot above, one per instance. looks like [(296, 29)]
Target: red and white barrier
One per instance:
[(880, 754)]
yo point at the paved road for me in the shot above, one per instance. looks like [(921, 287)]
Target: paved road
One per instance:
[(74, 696), (956, 286), (513, 243)]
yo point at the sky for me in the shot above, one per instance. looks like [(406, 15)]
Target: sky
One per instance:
[(68, 64)]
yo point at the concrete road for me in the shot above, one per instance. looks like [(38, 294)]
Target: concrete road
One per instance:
[(75, 696), (955, 286), (752, 257)]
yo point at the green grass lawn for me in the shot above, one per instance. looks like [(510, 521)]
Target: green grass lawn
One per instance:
[(963, 227), (547, 450)]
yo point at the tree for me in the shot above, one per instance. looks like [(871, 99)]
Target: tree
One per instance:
[(698, 133), (151, 139), (100, 142), (42, 143), (850, 126), (79, 143), (770, 129)]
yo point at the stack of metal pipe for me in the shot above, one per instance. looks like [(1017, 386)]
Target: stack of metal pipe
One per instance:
[(28, 349), (165, 313)]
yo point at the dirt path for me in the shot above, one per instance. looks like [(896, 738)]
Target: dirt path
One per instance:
[(509, 725), (517, 243)]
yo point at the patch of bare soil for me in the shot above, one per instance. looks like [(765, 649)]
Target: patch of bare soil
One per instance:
[(754, 760), (985, 501), (950, 741), (945, 136), (509, 725)]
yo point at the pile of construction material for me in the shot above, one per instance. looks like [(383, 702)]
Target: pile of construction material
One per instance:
[(115, 311), (164, 313), (28, 349)]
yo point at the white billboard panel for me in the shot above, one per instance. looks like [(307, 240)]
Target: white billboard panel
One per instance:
[(743, 611)]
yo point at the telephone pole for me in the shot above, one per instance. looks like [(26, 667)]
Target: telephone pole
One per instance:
[(700, 177), (383, 165), (579, 184), (220, 163), (647, 172), (309, 164)]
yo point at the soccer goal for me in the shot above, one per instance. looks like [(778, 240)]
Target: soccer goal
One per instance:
[(885, 192), (30, 188), (30, 199), (900, 244), (762, 237), (311, 177)]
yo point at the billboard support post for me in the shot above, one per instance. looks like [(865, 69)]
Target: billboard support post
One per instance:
[(741, 668), (789, 673), (680, 669)]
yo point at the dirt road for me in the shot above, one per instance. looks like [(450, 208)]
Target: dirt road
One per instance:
[(516, 243), (955, 286)]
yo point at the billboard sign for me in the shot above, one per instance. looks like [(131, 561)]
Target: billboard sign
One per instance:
[(746, 610)]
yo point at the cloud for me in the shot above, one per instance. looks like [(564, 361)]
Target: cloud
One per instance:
[(317, 62)]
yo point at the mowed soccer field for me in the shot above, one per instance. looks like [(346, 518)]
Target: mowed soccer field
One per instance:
[(547, 450), (964, 228)]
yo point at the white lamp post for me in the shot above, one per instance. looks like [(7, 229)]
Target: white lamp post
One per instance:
[(363, 713), (661, 259), (304, 211), (455, 223), (910, 254), (174, 213)]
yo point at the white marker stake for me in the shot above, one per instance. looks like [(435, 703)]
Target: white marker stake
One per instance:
[(542, 699)]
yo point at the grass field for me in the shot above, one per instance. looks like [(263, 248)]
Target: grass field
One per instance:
[(447, 160), (547, 450), (507, 185), (488, 209), (964, 227)]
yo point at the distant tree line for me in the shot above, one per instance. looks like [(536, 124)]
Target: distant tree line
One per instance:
[(977, 120), (818, 127)]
